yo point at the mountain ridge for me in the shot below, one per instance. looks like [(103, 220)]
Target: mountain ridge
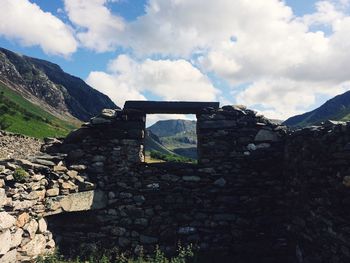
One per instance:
[(336, 108), (47, 85)]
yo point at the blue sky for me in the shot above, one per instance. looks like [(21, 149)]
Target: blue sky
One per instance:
[(280, 58)]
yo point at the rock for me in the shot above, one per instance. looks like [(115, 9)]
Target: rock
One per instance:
[(170, 177), (79, 167), (83, 201), (191, 178), (139, 199), (251, 147), (109, 113), (147, 240), (346, 181), (31, 227), (16, 238), (5, 241), (266, 135), (118, 231), (186, 230), (42, 225), (124, 242), (3, 197), (99, 158), (99, 120), (51, 244), (72, 174), (221, 182), (35, 247), (53, 192), (141, 221), (44, 162), (22, 219), (76, 154), (6, 220), (68, 185), (60, 168), (215, 124), (111, 195), (9, 257), (23, 205)]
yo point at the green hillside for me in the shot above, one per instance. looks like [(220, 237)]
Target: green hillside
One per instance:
[(337, 108), (21, 116)]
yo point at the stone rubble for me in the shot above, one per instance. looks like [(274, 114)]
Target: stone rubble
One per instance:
[(25, 202), (17, 146)]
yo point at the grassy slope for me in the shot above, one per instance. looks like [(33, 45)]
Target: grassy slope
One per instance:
[(41, 123), (152, 145)]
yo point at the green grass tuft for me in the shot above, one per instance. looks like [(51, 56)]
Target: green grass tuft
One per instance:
[(20, 175)]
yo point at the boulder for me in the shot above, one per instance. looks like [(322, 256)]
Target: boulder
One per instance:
[(5, 241), (9, 257), (6, 220), (266, 135), (35, 247)]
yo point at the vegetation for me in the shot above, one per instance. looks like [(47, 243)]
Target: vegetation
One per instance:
[(170, 157), (20, 175), (185, 254), (21, 116)]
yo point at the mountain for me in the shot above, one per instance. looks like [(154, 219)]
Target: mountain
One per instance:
[(177, 136), (45, 84), (19, 115), (172, 127), (337, 108)]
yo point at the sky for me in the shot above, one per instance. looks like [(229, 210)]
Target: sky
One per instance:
[(280, 58)]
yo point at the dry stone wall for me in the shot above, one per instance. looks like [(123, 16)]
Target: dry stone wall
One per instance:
[(259, 193), (317, 170), (231, 201)]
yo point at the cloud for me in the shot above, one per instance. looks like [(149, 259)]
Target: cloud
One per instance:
[(288, 61), (280, 98), (97, 28), (166, 79), (25, 22)]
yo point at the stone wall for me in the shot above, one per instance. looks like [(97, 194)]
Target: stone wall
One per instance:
[(232, 201), (259, 193), (317, 170)]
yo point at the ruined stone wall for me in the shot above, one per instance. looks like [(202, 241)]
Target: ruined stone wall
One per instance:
[(317, 170), (231, 201), (259, 192)]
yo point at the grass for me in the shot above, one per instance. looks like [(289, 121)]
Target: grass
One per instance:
[(21, 116), (170, 157), (184, 255), (20, 174)]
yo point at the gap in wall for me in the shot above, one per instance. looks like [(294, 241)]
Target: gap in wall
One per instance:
[(171, 138)]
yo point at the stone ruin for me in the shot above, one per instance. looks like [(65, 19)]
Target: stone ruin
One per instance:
[(259, 193)]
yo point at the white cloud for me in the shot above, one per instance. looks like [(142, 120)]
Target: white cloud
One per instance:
[(327, 13), (98, 29), (289, 60), (281, 98), (167, 79), (24, 21)]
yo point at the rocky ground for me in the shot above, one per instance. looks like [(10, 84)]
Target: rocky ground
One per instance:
[(17, 146)]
